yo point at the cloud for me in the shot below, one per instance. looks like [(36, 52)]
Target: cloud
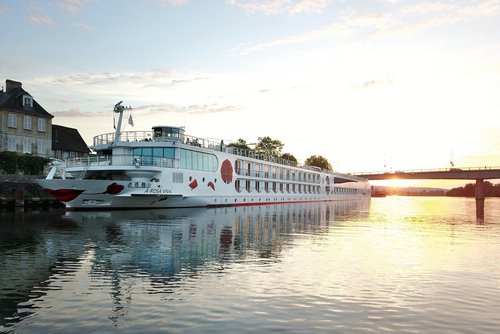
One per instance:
[(87, 79), (175, 2), (42, 20), (377, 83), (82, 25), (37, 16), (78, 113), (276, 7), (74, 6), (399, 22), (156, 78), (334, 29), (195, 109), (309, 6)]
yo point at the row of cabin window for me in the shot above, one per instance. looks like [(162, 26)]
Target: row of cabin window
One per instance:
[(245, 168), (27, 120), (266, 186), (345, 191), (189, 159), (251, 185)]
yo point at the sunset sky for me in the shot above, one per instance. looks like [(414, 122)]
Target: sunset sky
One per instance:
[(370, 85)]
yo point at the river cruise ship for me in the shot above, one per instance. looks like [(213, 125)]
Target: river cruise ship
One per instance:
[(166, 168)]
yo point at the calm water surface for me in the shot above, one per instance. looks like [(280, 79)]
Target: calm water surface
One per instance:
[(395, 264)]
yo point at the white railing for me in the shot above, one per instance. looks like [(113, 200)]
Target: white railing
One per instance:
[(121, 160), (130, 136)]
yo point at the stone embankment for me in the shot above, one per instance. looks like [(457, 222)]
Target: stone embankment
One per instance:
[(23, 191)]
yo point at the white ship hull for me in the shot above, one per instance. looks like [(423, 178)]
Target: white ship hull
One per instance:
[(168, 169)]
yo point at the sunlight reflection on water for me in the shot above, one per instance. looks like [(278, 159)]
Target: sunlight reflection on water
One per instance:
[(397, 264)]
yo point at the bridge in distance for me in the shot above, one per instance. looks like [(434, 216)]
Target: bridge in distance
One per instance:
[(479, 174)]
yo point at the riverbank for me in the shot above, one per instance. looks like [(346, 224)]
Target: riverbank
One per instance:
[(22, 191)]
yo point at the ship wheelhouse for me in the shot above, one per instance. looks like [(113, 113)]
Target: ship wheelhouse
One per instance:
[(164, 133)]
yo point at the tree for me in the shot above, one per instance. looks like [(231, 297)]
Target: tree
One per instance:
[(291, 158), (241, 144), (269, 146), (318, 161), (469, 190)]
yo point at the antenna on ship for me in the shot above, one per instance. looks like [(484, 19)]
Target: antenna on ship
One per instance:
[(119, 109)]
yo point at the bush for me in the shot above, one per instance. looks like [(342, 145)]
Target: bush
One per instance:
[(27, 164)]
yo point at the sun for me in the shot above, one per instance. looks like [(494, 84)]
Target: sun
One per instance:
[(396, 183)]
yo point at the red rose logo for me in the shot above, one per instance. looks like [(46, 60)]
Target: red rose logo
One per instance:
[(114, 188), (226, 171)]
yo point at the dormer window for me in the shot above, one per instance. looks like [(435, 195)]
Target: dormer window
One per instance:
[(27, 101)]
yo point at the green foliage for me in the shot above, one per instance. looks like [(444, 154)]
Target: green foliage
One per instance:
[(469, 190), (8, 162), (291, 158), (318, 161), (269, 146), (241, 144), (27, 164)]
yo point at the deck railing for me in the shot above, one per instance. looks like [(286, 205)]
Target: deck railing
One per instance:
[(141, 136), (121, 160)]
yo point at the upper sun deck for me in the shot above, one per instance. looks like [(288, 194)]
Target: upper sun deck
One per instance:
[(165, 134)]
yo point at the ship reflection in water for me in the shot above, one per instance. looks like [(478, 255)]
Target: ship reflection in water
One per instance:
[(396, 264), (45, 252)]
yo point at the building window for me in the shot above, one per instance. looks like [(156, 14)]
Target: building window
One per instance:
[(27, 122), (41, 147), (26, 145), (12, 144), (41, 125), (28, 101), (12, 121)]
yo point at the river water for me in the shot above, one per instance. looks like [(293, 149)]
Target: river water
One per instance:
[(394, 264)]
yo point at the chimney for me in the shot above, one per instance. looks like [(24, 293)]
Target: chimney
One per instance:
[(11, 84)]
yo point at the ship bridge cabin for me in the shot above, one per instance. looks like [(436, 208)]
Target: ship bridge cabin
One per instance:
[(164, 133)]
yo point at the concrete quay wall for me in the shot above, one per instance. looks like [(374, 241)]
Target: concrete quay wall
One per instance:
[(23, 191)]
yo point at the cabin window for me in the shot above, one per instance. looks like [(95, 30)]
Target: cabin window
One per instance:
[(247, 185), (157, 152), (237, 167), (266, 187), (237, 185), (198, 161), (257, 170), (157, 156), (169, 152), (257, 186)]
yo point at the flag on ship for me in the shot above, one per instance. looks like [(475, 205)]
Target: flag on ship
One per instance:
[(130, 120)]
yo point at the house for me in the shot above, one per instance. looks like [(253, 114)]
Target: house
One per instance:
[(25, 126), (67, 143)]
